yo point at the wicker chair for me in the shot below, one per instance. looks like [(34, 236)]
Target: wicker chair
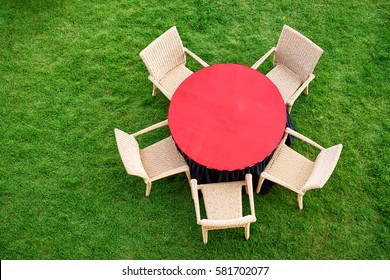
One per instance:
[(154, 162), (292, 170), (165, 59), (223, 204), (294, 61)]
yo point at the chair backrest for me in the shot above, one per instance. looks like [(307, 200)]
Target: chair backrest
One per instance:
[(129, 152), (223, 201), (324, 165), (297, 52), (164, 54)]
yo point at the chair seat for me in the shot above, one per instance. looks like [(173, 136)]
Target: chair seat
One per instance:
[(222, 201), (174, 78), (290, 167), (286, 80), (162, 159)]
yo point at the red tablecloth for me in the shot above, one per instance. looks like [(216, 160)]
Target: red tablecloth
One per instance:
[(227, 117)]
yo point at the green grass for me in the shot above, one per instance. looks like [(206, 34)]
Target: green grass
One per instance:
[(70, 73)]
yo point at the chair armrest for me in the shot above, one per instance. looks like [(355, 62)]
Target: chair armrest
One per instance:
[(294, 97), (249, 188), (263, 58), (197, 58), (150, 128), (195, 197), (304, 138)]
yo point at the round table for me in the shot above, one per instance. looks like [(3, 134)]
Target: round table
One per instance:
[(226, 118)]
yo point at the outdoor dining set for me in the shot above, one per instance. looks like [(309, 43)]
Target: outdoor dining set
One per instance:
[(230, 128)]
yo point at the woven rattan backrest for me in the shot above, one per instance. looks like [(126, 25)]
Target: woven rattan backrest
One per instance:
[(130, 154), (297, 52), (164, 54), (324, 165), (223, 200)]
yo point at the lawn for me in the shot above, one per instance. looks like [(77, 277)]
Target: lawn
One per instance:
[(70, 73)]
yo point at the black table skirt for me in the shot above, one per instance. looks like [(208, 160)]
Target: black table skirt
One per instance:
[(206, 175)]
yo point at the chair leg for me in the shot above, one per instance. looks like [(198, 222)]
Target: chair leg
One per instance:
[(247, 230), (188, 174), (148, 188), (259, 184), (307, 90), (205, 235), (289, 107), (300, 201), (154, 90)]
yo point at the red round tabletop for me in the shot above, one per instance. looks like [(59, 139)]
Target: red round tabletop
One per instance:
[(227, 117)]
